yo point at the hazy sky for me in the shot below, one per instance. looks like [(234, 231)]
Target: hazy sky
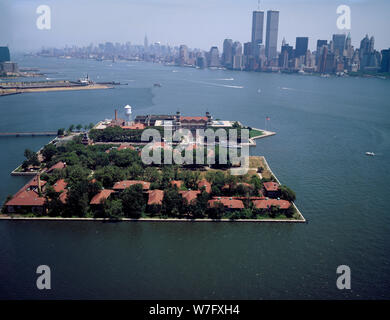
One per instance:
[(197, 23)]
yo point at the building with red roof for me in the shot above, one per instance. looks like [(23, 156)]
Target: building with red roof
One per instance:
[(271, 189), (155, 197), (190, 195), (60, 186), (101, 197), (267, 203), (58, 166), (228, 203), (125, 146), (204, 183), (121, 185), (177, 183), (29, 198), (135, 126)]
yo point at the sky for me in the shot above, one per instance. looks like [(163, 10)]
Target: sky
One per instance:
[(198, 23)]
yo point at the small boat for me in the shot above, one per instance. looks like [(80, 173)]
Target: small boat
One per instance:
[(157, 85), (370, 153)]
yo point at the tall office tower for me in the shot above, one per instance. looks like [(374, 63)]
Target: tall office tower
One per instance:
[(146, 43), (385, 65), (286, 55), (247, 54), (301, 45), (364, 46), (320, 44), (338, 44), (227, 54), (237, 55), (4, 54), (348, 47), (257, 31), (214, 57), (271, 40), (183, 55)]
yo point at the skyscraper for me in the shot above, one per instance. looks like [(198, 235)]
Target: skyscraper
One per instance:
[(214, 57), (271, 40), (257, 31), (237, 55), (183, 55), (320, 44), (227, 54), (301, 45), (4, 54), (339, 44), (385, 66)]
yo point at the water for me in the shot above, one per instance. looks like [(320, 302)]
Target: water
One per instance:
[(324, 126)]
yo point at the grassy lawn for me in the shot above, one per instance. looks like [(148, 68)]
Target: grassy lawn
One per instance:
[(255, 133)]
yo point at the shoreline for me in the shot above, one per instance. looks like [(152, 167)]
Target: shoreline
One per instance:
[(20, 218), (6, 92)]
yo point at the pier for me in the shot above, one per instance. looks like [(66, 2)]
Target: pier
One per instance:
[(23, 134)]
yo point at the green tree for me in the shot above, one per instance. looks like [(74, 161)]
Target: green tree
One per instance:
[(113, 209), (61, 132), (216, 211), (49, 151), (286, 193), (79, 127), (54, 205), (71, 128), (172, 204), (133, 201)]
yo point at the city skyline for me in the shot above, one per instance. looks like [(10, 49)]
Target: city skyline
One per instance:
[(94, 26)]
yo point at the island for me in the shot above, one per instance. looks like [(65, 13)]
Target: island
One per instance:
[(99, 174)]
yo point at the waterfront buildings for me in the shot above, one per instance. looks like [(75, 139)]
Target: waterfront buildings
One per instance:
[(7, 67), (330, 56), (301, 45)]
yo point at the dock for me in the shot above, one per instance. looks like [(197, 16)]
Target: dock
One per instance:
[(24, 134)]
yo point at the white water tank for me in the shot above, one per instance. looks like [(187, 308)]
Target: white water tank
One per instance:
[(128, 112)]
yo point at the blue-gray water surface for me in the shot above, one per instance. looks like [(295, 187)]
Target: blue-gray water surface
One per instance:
[(324, 127)]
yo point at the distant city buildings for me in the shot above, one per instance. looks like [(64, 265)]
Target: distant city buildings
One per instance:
[(336, 55), (7, 67)]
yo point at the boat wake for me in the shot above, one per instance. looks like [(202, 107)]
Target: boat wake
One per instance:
[(217, 84)]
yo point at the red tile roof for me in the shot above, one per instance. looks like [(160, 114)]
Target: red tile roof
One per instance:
[(101, 196), (59, 165), (227, 202), (245, 184), (60, 186), (265, 204), (125, 146), (190, 195), (271, 186), (192, 119), (121, 185), (206, 184), (136, 126), (28, 195), (155, 196), (177, 183)]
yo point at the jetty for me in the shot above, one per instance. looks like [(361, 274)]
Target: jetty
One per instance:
[(20, 134)]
